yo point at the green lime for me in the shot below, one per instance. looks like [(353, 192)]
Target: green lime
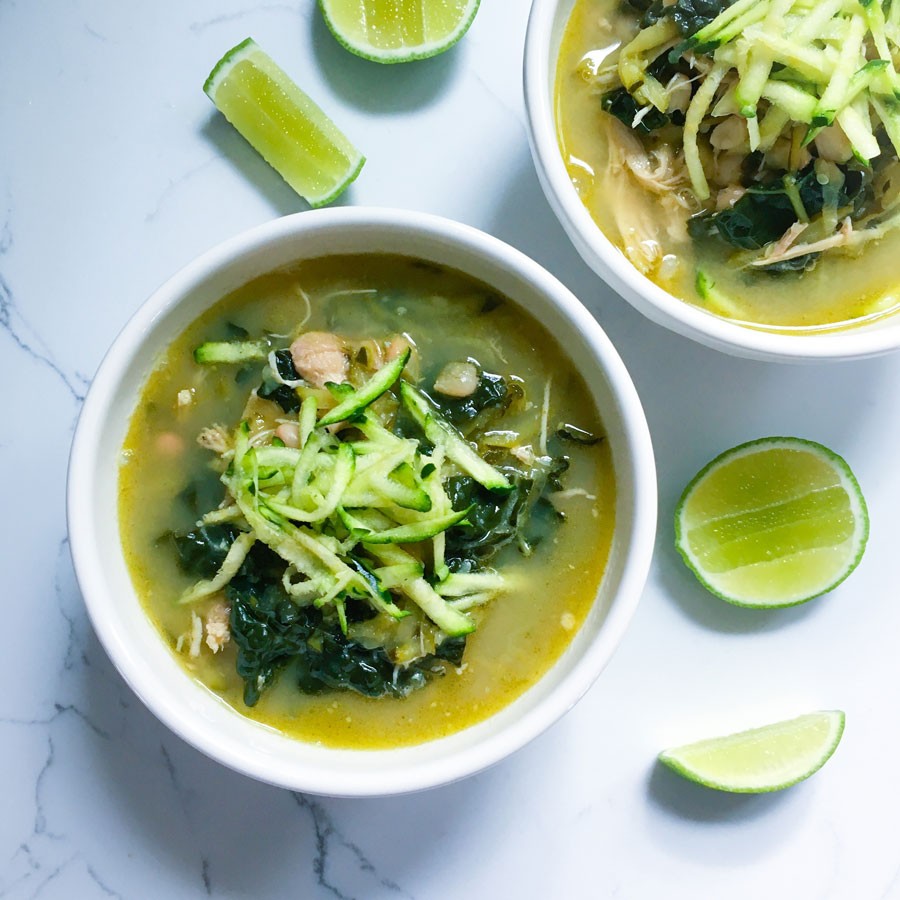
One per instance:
[(773, 522), (291, 133), (393, 31), (763, 759)]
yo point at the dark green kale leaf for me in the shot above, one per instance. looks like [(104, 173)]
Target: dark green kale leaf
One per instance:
[(202, 551), (451, 649), (520, 515), (765, 211), (340, 663), (761, 216), (492, 393), (795, 265), (286, 397), (202, 494), (271, 632), (577, 435), (268, 631), (625, 108), (692, 15), (492, 523)]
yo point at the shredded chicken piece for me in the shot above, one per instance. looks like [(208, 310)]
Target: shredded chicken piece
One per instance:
[(525, 454), (631, 174), (218, 630), (214, 438), (728, 196), (195, 635), (320, 357), (184, 397), (789, 238), (840, 238), (570, 493)]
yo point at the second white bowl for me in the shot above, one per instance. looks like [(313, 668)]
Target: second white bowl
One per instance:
[(542, 44)]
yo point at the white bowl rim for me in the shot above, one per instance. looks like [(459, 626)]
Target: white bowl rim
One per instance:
[(87, 556), (612, 265)]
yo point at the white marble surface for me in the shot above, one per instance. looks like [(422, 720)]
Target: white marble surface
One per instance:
[(115, 171)]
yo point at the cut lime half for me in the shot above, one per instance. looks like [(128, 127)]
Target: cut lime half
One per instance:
[(291, 132), (393, 31), (773, 522), (763, 759)]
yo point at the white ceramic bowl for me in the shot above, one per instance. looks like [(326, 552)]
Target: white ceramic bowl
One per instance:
[(545, 30), (132, 641)]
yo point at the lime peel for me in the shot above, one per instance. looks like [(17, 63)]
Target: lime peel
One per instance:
[(761, 760), (772, 523), (385, 31), (283, 124)]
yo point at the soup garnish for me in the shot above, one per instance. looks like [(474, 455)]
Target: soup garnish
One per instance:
[(749, 149), (374, 495)]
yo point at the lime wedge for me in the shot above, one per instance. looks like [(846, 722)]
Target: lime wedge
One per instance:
[(291, 133), (773, 522), (393, 31), (762, 759)]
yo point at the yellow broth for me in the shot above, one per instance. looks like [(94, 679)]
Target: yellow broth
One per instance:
[(519, 636), (841, 290)]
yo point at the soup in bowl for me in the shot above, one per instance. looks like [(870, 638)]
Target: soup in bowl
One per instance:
[(722, 171), (384, 495)]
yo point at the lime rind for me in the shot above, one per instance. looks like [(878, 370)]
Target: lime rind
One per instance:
[(854, 494), (705, 762), (320, 162), (339, 189), (404, 52), (238, 52)]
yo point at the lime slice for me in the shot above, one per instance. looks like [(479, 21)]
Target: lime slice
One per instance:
[(774, 522), (762, 759), (290, 132), (393, 31)]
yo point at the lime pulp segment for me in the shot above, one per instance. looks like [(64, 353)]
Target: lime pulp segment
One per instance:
[(283, 124), (773, 522), (763, 759), (390, 31)]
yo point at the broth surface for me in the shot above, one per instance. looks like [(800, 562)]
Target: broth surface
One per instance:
[(449, 316), (841, 290)]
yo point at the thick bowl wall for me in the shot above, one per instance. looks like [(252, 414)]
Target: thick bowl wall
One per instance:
[(132, 641), (545, 30)]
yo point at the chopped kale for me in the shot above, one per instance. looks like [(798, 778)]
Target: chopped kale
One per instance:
[(761, 216), (284, 362), (271, 389), (343, 664), (765, 211), (491, 393), (692, 15), (625, 108), (451, 649), (271, 633), (202, 551), (202, 495), (795, 264), (577, 435), (499, 519), (268, 631), (235, 332), (493, 522)]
